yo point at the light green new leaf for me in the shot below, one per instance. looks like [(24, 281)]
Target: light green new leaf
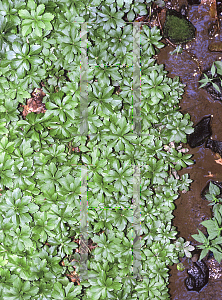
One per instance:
[(48, 26), (23, 13), (31, 4), (16, 46), (35, 49), (10, 55), (26, 29), (40, 9), (47, 17), (38, 30)]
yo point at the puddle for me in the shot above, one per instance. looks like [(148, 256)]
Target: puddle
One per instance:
[(191, 210)]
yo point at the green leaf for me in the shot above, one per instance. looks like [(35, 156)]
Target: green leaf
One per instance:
[(52, 168), (40, 9), (38, 30), (116, 285), (48, 26), (10, 55), (199, 237), (58, 291), (217, 255), (204, 252), (3, 130), (216, 87), (47, 17), (23, 13), (96, 291), (17, 47), (35, 136), (26, 29), (120, 3), (214, 189), (213, 69), (31, 4), (218, 64), (130, 15), (212, 228), (35, 49)]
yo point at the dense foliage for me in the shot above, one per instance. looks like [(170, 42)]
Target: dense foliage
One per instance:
[(41, 176), (213, 241)]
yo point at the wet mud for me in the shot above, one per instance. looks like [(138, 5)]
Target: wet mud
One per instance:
[(191, 209)]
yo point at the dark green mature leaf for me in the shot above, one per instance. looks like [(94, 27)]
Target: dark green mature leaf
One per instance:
[(6, 146), (21, 290), (67, 293), (43, 227), (35, 20), (5, 170)]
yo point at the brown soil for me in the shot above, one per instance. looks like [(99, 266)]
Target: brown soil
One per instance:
[(191, 210)]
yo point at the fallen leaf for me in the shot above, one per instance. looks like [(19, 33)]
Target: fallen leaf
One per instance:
[(34, 104), (209, 175), (219, 161)]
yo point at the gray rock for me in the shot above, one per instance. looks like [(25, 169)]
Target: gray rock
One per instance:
[(202, 130), (215, 47), (177, 28), (198, 276), (215, 146)]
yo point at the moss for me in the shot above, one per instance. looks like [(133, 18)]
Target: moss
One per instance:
[(177, 28)]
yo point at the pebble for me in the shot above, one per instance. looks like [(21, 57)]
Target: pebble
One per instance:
[(215, 47), (195, 257), (213, 30)]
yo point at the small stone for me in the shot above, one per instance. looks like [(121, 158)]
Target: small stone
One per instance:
[(215, 47), (195, 257), (213, 29)]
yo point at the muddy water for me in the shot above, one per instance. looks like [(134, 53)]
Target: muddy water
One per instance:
[(191, 210)]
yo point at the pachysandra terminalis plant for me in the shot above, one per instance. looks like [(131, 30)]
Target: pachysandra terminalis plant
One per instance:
[(43, 154), (212, 242)]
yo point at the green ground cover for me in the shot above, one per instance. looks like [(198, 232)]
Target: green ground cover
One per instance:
[(126, 150)]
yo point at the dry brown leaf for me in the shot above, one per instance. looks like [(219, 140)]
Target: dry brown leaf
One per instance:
[(209, 175), (219, 161), (34, 104)]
